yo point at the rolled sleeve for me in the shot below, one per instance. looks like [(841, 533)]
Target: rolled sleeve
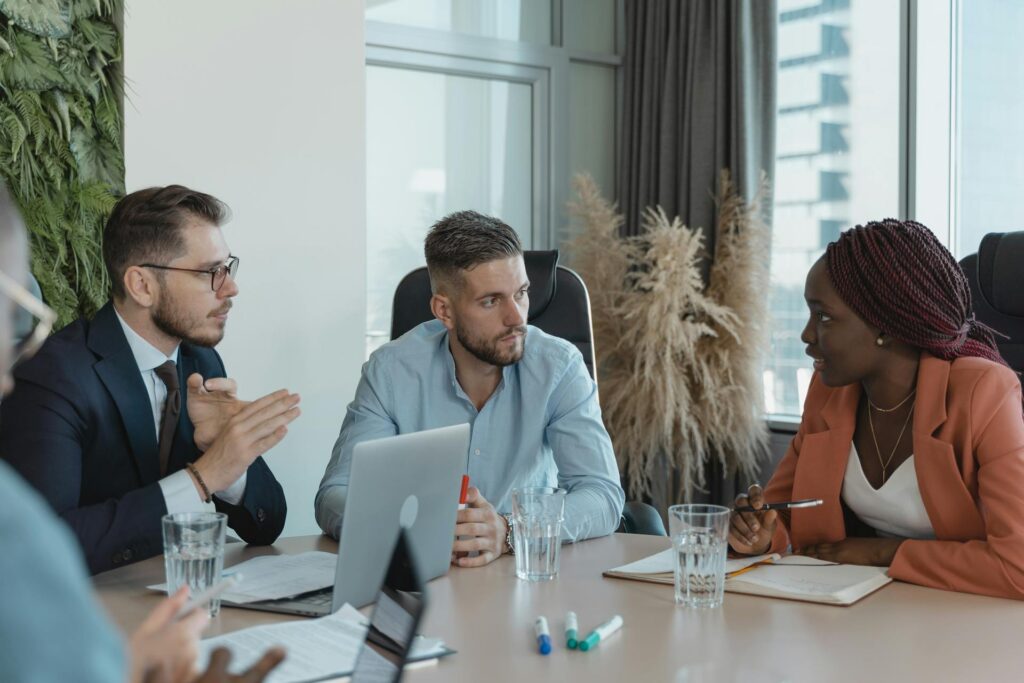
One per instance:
[(584, 457), (366, 418)]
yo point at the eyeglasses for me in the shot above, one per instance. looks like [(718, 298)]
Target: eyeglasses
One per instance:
[(218, 274), (32, 321)]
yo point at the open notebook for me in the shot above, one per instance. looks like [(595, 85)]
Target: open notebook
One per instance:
[(792, 577)]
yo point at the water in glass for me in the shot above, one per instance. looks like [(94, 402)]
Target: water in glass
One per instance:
[(699, 568)]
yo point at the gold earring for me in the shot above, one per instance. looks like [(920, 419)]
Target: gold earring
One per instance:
[(879, 341)]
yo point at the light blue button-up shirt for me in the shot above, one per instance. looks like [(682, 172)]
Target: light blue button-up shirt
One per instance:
[(541, 427)]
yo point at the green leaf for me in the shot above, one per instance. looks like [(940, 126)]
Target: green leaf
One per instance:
[(48, 18), (98, 160), (31, 65)]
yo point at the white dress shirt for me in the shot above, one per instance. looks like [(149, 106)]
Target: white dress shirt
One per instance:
[(896, 509), (180, 494)]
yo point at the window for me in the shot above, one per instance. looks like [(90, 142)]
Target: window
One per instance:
[(489, 105), (838, 156)]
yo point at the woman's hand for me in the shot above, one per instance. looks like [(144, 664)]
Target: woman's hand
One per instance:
[(750, 533), (872, 552)]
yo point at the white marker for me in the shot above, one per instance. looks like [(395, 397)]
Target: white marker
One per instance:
[(571, 631), (208, 594), (601, 632)]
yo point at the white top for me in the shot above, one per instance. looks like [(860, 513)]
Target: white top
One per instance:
[(896, 509), (180, 493)]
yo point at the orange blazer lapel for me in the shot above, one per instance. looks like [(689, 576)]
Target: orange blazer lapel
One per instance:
[(821, 468)]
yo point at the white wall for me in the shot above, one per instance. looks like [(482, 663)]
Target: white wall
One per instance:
[(262, 104)]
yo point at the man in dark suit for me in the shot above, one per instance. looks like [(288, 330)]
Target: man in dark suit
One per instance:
[(121, 419)]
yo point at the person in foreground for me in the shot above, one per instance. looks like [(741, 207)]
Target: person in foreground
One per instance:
[(51, 626), (912, 430), (121, 419), (532, 404)]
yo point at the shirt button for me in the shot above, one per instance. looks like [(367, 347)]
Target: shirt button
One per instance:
[(261, 515), (128, 555), (477, 451)]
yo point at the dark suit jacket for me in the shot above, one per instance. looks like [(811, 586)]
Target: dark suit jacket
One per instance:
[(79, 427)]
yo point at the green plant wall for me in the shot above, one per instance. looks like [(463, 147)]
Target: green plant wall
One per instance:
[(60, 139)]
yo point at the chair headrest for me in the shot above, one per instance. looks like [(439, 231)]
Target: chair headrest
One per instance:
[(1000, 264), (541, 269)]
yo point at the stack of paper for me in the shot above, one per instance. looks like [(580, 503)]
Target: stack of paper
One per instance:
[(316, 648), (273, 577), (793, 577)]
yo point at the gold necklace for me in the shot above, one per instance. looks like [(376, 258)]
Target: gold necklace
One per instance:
[(871, 423), (895, 407)]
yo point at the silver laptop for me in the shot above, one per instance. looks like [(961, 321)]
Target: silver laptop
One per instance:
[(409, 482)]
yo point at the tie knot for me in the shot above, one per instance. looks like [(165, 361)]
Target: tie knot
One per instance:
[(168, 372)]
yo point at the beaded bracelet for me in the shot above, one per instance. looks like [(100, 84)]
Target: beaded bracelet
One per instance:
[(202, 484)]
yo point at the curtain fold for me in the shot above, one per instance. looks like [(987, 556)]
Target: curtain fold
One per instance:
[(698, 96)]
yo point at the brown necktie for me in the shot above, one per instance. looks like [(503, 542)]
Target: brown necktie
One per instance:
[(168, 372)]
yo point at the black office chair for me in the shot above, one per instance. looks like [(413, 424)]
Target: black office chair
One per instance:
[(997, 290), (560, 306)]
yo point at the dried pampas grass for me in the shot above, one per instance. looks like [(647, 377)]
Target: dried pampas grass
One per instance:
[(679, 363)]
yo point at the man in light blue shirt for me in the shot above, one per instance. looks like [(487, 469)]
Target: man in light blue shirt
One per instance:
[(532, 404)]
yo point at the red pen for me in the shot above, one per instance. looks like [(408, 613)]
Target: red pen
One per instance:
[(463, 491)]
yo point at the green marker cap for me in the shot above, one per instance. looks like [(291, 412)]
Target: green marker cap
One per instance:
[(592, 640)]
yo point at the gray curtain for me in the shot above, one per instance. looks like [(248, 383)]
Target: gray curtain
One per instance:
[(698, 96)]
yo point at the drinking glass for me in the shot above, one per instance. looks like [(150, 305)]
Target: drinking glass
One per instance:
[(537, 514), (700, 540), (194, 552)]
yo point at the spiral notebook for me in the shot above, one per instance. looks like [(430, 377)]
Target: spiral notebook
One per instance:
[(790, 577)]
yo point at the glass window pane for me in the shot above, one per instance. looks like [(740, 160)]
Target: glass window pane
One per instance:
[(837, 156), (592, 124), (524, 20), (990, 152), (436, 144), (589, 25)]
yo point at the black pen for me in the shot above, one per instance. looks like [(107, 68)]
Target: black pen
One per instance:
[(788, 505)]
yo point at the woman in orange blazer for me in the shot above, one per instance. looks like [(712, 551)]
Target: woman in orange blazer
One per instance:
[(912, 431)]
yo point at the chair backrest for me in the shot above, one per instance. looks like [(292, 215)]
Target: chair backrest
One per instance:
[(997, 292), (559, 303)]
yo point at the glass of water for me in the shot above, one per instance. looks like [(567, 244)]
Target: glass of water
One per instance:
[(537, 513), (194, 551), (700, 540)]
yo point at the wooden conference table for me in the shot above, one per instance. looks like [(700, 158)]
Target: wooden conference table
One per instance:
[(900, 633)]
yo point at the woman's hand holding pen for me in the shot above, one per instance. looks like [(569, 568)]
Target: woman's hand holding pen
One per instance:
[(750, 533)]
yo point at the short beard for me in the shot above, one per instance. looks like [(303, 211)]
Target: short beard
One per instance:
[(170, 320), (487, 350)]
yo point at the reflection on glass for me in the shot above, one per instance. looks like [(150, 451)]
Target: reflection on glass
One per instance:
[(990, 152), (837, 156), (522, 20), (436, 144)]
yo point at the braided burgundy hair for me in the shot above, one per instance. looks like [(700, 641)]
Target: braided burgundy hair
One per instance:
[(899, 278)]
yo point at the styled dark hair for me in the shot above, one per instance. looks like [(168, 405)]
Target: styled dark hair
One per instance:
[(465, 239), (898, 277), (145, 226)]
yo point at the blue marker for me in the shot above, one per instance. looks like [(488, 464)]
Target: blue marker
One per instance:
[(540, 627), (571, 627), (601, 632)]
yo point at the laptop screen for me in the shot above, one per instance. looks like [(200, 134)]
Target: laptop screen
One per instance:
[(396, 616)]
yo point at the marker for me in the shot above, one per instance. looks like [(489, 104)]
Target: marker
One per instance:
[(540, 628), (601, 632), (464, 492), (571, 626), (208, 594)]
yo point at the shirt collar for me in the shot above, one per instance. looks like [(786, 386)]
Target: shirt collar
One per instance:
[(453, 378), (147, 356)]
